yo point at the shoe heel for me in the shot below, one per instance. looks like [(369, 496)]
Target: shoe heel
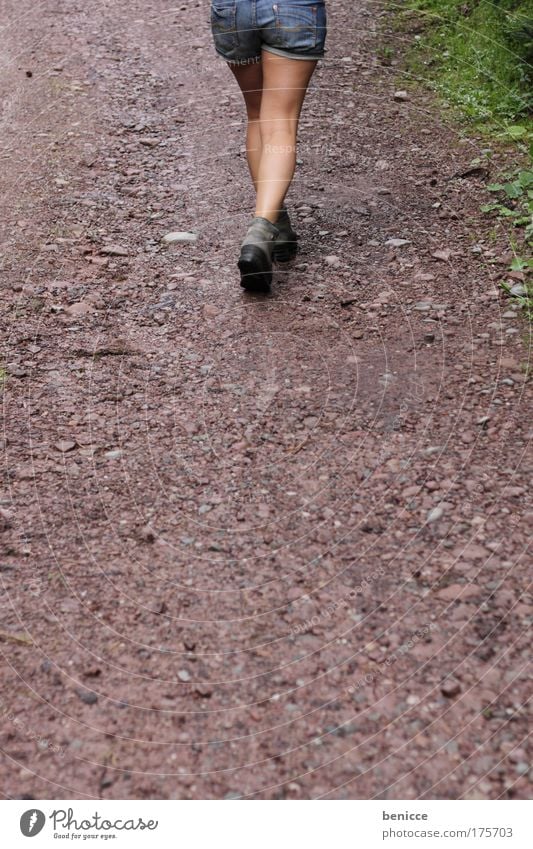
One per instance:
[(254, 270)]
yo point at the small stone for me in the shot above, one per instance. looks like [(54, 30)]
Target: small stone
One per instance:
[(422, 306), (514, 491), (434, 514), (429, 337), (183, 675), (65, 445), (401, 96), (114, 454), (522, 768), (15, 370), (78, 309), (443, 255), (178, 236), (333, 261), (87, 696), (146, 534), (518, 290), (204, 690), (397, 243), (450, 688), (114, 250)]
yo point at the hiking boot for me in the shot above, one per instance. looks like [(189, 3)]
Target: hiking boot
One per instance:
[(255, 261), (286, 245)]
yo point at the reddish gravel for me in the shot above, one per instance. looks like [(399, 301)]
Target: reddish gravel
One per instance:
[(261, 547)]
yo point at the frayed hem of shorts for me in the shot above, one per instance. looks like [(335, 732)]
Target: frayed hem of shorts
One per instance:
[(287, 54), (251, 60)]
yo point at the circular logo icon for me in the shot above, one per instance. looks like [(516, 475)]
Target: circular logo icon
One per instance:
[(32, 822)]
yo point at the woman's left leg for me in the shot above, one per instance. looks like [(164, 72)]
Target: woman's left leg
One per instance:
[(250, 79)]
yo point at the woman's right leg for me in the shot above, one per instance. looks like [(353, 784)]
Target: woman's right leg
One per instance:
[(285, 83)]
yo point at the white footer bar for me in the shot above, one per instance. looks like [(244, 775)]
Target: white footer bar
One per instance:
[(268, 824)]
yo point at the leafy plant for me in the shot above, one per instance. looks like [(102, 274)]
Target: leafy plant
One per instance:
[(516, 203)]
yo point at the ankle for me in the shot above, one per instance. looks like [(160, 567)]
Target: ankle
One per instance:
[(272, 215), (267, 216)]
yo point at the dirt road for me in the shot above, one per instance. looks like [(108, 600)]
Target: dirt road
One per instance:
[(252, 547)]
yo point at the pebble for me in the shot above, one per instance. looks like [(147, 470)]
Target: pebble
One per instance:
[(518, 290), (179, 236), (15, 370), (443, 255), (450, 688), (401, 96), (334, 261), (114, 454), (114, 250), (146, 534), (79, 308), (87, 696), (204, 690), (397, 243), (65, 445), (183, 675), (434, 514)]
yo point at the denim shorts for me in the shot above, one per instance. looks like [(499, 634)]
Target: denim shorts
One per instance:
[(293, 28)]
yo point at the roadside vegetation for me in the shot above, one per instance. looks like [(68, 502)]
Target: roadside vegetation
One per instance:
[(478, 57)]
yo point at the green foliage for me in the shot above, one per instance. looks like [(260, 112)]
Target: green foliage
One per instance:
[(479, 56), (516, 204)]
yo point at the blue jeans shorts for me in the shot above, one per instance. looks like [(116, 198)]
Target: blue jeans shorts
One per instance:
[(292, 28)]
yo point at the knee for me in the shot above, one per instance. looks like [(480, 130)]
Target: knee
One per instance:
[(253, 106), (279, 130)]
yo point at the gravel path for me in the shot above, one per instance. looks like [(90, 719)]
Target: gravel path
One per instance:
[(262, 547)]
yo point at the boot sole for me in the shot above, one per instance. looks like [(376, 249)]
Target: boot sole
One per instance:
[(256, 273)]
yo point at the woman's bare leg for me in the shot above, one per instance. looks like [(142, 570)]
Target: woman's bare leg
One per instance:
[(285, 83), (250, 80), (274, 91)]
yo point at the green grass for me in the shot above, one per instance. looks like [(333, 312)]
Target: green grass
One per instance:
[(478, 56)]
